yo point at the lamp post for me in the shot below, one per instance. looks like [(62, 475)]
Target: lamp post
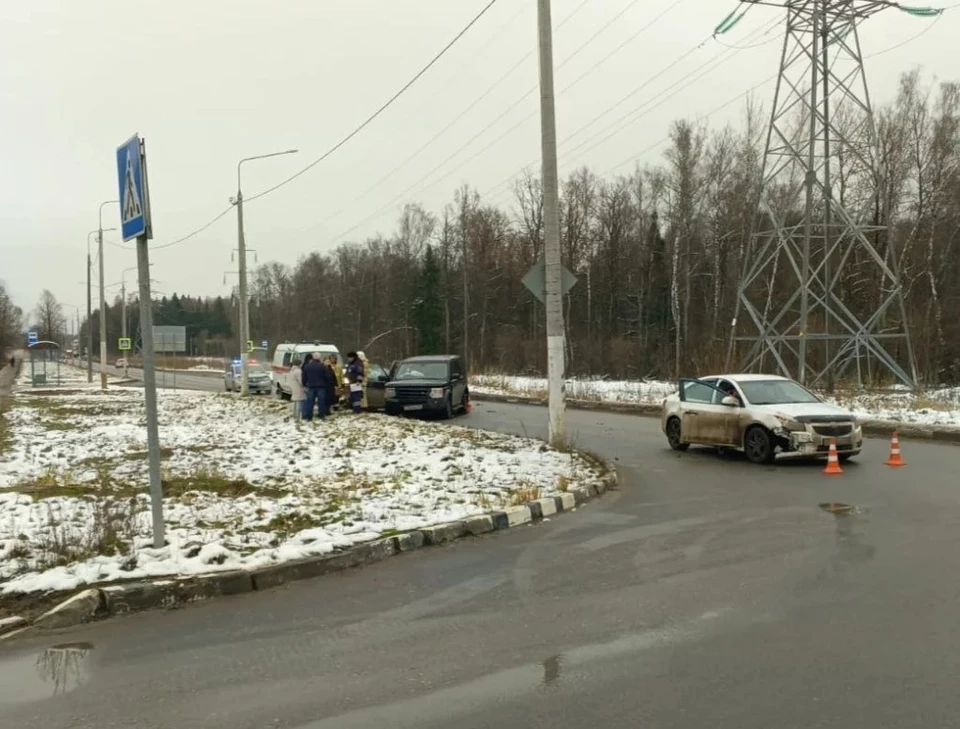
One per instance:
[(89, 313), (103, 299), (123, 310), (242, 250)]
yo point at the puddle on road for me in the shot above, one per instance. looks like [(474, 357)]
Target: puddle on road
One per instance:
[(56, 671), (551, 670)]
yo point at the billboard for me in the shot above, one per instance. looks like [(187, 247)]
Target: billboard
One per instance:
[(169, 339)]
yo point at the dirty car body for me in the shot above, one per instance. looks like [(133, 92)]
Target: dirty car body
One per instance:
[(761, 415)]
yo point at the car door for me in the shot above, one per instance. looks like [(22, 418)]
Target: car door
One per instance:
[(697, 409), (458, 382), (376, 387), (722, 421)]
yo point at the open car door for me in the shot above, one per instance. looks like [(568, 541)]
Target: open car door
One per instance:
[(703, 417)]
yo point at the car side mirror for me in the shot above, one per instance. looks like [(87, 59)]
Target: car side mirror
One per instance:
[(730, 401)]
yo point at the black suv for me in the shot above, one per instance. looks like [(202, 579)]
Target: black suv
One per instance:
[(436, 384)]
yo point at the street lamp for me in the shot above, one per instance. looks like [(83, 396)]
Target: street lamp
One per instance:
[(242, 249), (123, 308), (103, 298), (90, 302)]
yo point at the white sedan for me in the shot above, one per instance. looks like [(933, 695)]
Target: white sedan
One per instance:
[(761, 415)]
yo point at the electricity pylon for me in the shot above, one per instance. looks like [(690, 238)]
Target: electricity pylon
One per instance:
[(820, 296)]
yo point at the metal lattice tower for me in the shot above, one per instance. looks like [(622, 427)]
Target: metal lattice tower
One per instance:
[(820, 296)]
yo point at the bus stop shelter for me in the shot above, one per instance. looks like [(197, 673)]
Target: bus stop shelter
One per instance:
[(44, 363)]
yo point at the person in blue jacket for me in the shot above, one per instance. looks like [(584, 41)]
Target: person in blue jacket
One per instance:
[(316, 377), (355, 375)]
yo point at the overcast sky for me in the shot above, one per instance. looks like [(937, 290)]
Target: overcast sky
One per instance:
[(207, 83)]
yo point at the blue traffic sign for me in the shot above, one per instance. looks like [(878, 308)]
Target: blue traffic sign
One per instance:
[(32, 337), (264, 344), (133, 203)]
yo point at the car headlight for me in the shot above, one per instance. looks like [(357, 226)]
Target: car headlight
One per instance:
[(791, 425), (391, 393), (436, 392)]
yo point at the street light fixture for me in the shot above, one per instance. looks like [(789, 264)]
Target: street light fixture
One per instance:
[(241, 245), (103, 298)]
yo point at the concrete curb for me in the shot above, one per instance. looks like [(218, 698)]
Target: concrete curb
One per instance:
[(871, 428), (96, 603)]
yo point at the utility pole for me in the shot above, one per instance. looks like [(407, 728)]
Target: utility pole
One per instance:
[(89, 312), (551, 225), (242, 252), (103, 298)]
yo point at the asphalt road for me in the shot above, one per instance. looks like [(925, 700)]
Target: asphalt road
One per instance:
[(706, 592)]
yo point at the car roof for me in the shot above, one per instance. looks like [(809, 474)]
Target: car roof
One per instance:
[(432, 358), (748, 377)]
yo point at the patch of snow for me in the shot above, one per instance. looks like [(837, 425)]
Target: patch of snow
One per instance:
[(245, 485)]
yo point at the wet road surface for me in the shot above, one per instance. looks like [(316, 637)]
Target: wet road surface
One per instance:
[(706, 592)]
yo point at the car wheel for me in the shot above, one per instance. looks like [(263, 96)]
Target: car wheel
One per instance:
[(448, 409), (673, 435), (758, 445)]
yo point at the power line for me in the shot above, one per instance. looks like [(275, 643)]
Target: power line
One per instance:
[(459, 116), (466, 144), (673, 92), (382, 108)]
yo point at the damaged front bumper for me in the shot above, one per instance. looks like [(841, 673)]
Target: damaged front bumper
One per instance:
[(815, 440)]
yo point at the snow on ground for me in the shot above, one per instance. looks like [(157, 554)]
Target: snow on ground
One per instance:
[(937, 407), (244, 486)]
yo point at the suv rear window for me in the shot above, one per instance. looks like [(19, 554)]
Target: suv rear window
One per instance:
[(421, 371)]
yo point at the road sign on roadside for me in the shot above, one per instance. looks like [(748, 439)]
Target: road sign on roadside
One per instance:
[(32, 337), (264, 344), (169, 339), (536, 280), (134, 215), (123, 344), (249, 345)]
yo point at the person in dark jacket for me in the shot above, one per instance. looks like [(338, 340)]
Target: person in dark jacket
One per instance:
[(315, 376), (355, 379)]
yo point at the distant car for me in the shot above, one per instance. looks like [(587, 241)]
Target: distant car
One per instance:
[(428, 385), (121, 362), (258, 380), (761, 415)]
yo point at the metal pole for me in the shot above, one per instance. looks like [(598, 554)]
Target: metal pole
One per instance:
[(89, 317), (150, 391), (103, 315), (551, 224), (244, 314)]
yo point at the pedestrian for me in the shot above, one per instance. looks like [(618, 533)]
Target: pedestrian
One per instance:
[(363, 379), (314, 377), (297, 392), (338, 378), (331, 388), (355, 375)]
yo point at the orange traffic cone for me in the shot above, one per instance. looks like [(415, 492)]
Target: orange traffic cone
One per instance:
[(833, 461), (895, 458)]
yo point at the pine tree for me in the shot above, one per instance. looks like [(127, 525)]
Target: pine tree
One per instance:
[(427, 307)]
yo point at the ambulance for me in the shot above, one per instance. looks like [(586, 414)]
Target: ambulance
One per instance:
[(283, 357)]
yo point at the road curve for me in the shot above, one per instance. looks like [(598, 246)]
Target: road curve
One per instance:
[(705, 592)]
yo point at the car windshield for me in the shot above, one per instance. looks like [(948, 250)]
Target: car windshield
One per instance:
[(776, 392), (421, 371)]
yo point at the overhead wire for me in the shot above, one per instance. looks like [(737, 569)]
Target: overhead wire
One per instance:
[(457, 118), (418, 183), (632, 115), (383, 107)]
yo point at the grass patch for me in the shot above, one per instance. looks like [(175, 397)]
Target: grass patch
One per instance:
[(291, 523), (142, 455), (524, 493), (212, 481)]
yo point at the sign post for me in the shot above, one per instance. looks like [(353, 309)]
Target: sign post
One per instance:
[(123, 344), (32, 337), (135, 223)]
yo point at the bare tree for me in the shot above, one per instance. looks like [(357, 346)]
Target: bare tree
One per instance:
[(51, 323)]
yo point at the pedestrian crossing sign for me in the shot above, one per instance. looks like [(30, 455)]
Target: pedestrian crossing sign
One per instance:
[(134, 199), (123, 344)]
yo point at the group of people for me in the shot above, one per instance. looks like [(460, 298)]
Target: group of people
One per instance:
[(318, 384)]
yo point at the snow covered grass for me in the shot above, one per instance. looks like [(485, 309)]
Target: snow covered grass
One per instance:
[(937, 407), (244, 486)]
